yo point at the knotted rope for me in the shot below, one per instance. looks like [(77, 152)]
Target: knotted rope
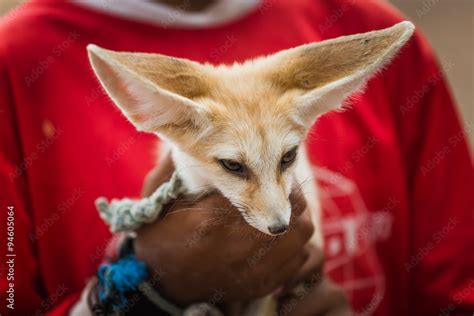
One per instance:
[(130, 214)]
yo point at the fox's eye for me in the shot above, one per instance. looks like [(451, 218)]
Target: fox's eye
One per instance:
[(288, 158), (232, 166)]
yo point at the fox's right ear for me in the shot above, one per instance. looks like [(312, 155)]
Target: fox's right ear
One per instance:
[(324, 74), (153, 91)]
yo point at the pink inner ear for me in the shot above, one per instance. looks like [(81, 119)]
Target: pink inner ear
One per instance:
[(139, 118)]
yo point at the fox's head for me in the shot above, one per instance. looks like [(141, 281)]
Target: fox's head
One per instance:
[(242, 124)]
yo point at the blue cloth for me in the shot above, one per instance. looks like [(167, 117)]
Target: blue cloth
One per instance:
[(119, 277)]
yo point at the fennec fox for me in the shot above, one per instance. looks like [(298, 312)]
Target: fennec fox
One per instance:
[(241, 128)]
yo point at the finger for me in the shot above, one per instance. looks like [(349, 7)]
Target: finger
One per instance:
[(297, 201), (158, 175), (282, 249), (273, 281), (318, 298), (198, 210), (304, 225), (287, 279), (313, 266)]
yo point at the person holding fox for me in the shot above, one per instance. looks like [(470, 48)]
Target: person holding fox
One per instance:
[(247, 132)]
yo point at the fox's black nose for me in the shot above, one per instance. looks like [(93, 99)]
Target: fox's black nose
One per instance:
[(278, 229)]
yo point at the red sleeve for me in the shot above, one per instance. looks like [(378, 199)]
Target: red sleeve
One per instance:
[(440, 185), (21, 283)]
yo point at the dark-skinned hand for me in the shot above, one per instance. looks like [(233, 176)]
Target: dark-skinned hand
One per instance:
[(203, 250)]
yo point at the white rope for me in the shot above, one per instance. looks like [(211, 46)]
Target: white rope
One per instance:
[(128, 215)]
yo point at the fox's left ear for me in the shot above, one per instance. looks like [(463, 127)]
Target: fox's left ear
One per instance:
[(155, 92), (327, 72)]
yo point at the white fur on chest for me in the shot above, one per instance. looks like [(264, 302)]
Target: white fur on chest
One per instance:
[(194, 178)]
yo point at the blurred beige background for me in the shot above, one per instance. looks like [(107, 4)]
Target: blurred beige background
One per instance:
[(449, 26)]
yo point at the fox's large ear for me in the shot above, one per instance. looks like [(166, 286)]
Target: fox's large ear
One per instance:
[(154, 91), (327, 72)]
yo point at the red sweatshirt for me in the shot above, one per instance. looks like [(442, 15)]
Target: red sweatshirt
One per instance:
[(395, 170)]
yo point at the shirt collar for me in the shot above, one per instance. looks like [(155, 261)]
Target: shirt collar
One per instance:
[(218, 13)]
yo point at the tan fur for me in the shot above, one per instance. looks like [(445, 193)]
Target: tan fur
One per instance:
[(314, 65), (252, 113), (180, 76)]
